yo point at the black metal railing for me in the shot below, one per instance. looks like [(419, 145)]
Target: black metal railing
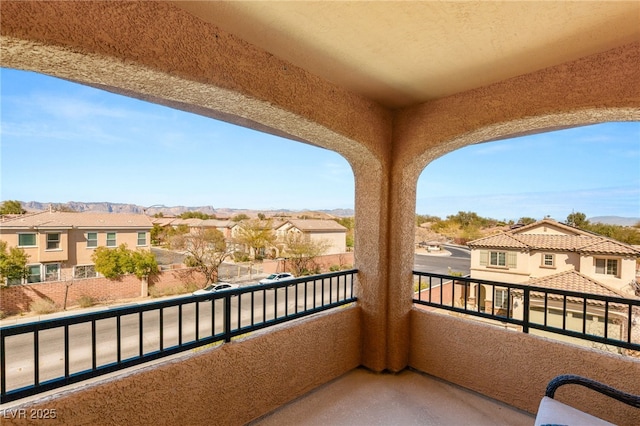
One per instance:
[(42, 356), (611, 321)]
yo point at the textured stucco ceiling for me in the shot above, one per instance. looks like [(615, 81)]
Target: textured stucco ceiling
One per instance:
[(404, 53)]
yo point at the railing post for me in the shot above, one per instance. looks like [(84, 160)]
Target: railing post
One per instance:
[(227, 319), (3, 366), (525, 314)]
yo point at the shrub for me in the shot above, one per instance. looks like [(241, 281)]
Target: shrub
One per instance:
[(43, 306), (3, 315), (86, 301), (155, 292), (239, 256), (417, 286)]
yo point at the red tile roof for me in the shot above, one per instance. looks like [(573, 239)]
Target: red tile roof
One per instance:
[(68, 220), (572, 240)]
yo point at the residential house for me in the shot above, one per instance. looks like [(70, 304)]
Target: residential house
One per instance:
[(60, 244), (547, 248), (328, 232), (556, 256)]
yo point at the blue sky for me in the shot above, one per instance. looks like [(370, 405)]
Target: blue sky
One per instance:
[(65, 142)]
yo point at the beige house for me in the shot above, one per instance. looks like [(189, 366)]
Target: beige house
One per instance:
[(556, 256), (60, 244), (547, 247), (321, 231)]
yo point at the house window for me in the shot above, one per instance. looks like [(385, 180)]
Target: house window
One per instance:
[(34, 274), (548, 260), (92, 239), (85, 271), (52, 272), (498, 258), (26, 240), (53, 241), (142, 238), (111, 239), (607, 266), (501, 297)]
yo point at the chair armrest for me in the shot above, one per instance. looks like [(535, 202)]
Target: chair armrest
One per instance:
[(627, 398)]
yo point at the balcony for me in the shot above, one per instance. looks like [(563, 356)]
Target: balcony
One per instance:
[(306, 369), (200, 67)]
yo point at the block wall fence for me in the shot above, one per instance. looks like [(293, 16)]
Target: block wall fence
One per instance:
[(18, 298)]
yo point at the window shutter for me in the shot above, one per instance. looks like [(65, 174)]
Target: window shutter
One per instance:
[(512, 259), (484, 258)]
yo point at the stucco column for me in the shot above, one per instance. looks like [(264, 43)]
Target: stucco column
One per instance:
[(372, 260), (401, 254)]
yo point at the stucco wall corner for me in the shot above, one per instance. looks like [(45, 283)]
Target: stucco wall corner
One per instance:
[(515, 367)]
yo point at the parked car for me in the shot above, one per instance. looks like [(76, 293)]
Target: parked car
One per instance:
[(276, 278), (214, 288)]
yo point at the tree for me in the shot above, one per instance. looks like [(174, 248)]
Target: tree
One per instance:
[(239, 217), (196, 215), (161, 235), (12, 207), (302, 250), (13, 263), (113, 263), (577, 219), (526, 220), (206, 249), (423, 218), (256, 234), (143, 263), (350, 224)]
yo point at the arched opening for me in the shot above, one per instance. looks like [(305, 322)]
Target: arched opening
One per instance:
[(543, 211), (73, 147)]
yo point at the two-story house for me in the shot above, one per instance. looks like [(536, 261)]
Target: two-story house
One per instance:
[(60, 244), (548, 247), (554, 256), (328, 232)]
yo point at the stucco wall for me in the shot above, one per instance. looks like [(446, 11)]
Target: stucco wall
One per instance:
[(516, 367), (227, 385)]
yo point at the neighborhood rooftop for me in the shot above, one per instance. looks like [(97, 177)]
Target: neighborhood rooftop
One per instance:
[(580, 241), (57, 219)]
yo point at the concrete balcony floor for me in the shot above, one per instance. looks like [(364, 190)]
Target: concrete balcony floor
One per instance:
[(361, 397)]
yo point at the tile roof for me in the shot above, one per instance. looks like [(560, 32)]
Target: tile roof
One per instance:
[(317, 225), (570, 230), (574, 240), (68, 220), (503, 240), (572, 280)]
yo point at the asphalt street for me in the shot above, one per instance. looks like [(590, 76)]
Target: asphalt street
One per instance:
[(458, 261)]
